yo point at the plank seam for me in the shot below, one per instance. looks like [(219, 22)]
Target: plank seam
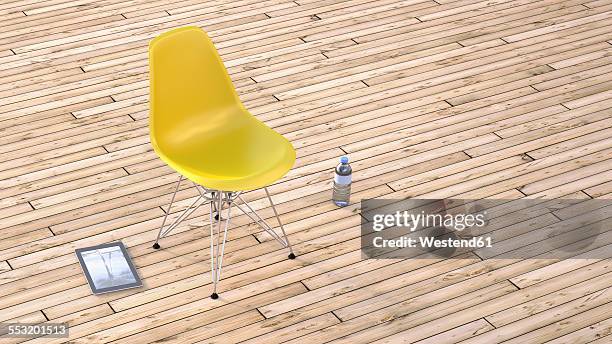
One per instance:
[(586, 193), (260, 313), (337, 317), (305, 286), (485, 319), (447, 102), (12, 51), (519, 190), (363, 218), (534, 88), (50, 230), (126, 171), (496, 134), (111, 307), (516, 286), (124, 17), (256, 238), (171, 14), (557, 217), (44, 315), (526, 154), (365, 83), (9, 264), (387, 184)]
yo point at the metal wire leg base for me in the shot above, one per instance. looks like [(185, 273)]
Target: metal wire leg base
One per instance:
[(252, 214), (205, 196), (218, 201)]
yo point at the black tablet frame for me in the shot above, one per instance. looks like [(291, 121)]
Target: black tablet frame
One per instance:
[(79, 252)]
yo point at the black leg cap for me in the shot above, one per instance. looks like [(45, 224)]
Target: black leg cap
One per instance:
[(217, 216), (291, 255), (156, 246), (214, 296)]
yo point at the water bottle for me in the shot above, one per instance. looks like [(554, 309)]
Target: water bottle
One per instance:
[(342, 183)]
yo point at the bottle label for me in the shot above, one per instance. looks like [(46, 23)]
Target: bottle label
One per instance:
[(342, 180)]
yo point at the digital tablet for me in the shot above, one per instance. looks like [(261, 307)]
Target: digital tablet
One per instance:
[(108, 268)]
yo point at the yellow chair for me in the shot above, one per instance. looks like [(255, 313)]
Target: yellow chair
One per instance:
[(199, 127)]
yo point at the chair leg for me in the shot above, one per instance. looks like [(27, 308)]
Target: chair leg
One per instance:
[(178, 184), (291, 254), (188, 211), (217, 243), (212, 200), (252, 214), (217, 248)]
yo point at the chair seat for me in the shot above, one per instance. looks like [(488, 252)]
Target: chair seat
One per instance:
[(237, 155)]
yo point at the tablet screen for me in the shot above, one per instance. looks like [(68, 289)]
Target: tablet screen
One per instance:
[(108, 267)]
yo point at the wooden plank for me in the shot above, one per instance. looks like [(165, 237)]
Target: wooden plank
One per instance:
[(593, 333), (459, 333), (552, 28), (580, 59), (528, 309), (592, 306), (559, 268)]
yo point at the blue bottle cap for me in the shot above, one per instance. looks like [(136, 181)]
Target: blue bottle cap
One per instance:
[(344, 159)]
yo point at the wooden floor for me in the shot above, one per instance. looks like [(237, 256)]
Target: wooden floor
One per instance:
[(430, 98)]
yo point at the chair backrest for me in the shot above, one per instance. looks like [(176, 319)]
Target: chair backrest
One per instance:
[(188, 80)]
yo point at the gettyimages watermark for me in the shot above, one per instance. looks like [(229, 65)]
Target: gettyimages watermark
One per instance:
[(489, 229)]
